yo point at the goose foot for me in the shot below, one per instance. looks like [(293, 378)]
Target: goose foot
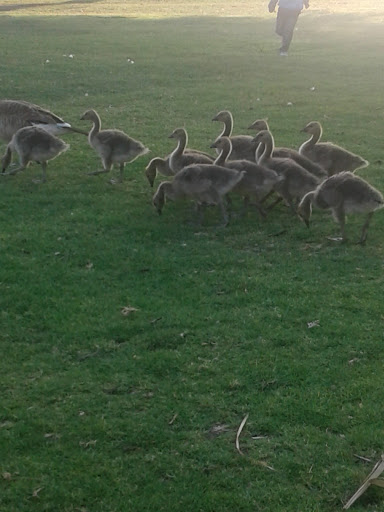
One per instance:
[(13, 171), (13, 166), (115, 181)]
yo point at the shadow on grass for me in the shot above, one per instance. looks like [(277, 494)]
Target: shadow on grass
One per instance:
[(16, 7)]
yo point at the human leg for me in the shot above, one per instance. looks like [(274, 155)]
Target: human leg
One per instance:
[(286, 27)]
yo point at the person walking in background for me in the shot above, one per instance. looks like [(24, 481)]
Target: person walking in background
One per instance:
[(287, 16)]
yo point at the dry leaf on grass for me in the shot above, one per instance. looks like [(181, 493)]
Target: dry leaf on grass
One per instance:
[(6, 476), (239, 432), (315, 323), (52, 435), (218, 429), (87, 444), (265, 465), (127, 310), (35, 493)]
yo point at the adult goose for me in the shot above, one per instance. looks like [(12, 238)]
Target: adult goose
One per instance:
[(16, 114)]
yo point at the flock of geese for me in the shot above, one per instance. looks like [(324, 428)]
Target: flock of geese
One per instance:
[(319, 174)]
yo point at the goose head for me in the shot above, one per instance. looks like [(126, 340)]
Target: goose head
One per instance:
[(158, 199), (89, 115), (223, 143), (264, 136), (304, 210), (312, 128), (223, 116), (179, 133), (259, 125)]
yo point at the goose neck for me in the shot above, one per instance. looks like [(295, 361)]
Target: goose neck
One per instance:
[(228, 126), (268, 144), (181, 144), (168, 190), (223, 155), (96, 126), (314, 138)]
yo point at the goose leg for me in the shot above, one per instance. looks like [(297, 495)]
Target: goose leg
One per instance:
[(151, 176), (223, 213), (278, 200), (107, 166), (6, 159), (287, 197), (363, 236), (260, 209), (245, 208), (14, 171), (121, 176), (267, 196), (199, 213), (342, 227), (24, 161), (339, 216), (280, 189), (44, 175)]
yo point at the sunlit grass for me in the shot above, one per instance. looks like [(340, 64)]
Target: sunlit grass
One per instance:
[(103, 411), (172, 8)]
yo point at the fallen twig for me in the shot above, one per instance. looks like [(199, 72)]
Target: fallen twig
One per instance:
[(239, 432), (365, 459), (173, 419)]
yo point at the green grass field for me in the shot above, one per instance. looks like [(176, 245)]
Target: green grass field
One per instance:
[(106, 409)]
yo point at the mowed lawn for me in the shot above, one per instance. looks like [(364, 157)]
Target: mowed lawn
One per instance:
[(133, 345)]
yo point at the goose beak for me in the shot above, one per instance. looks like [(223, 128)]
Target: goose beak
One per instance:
[(213, 145)]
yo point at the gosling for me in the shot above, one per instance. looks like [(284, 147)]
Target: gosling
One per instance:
[(33, 144), (112, 146), (343, 193)]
